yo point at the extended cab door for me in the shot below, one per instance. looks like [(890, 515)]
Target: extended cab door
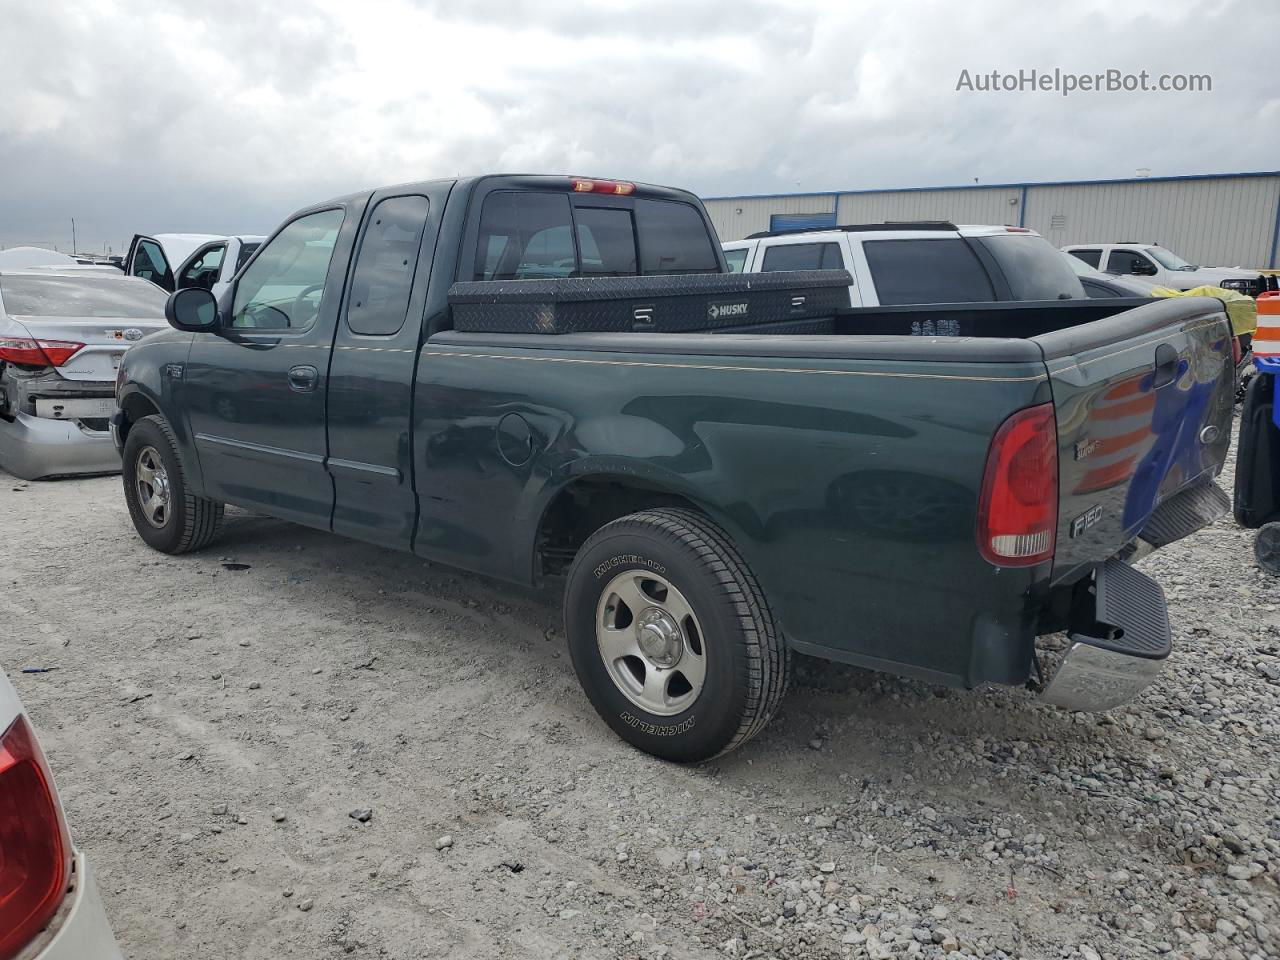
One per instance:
[(255, 391), (371, 373)]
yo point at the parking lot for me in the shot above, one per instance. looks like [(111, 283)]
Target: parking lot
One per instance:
[(215, 720)]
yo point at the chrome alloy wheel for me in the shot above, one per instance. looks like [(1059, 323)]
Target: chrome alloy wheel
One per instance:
[(651, 643), (151, 481)]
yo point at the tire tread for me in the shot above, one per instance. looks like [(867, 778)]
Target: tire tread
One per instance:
[(202, 517), (768, 658)]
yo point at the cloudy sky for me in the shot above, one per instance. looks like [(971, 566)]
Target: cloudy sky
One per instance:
[(226, 115)]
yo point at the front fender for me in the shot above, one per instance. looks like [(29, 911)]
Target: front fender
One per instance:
[(151, 382)]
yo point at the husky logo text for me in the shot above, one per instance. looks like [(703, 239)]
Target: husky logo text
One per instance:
[(722, 311)]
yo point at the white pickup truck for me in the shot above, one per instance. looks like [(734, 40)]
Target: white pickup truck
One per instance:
[(1164, 267), (175, 261), (926, 262)]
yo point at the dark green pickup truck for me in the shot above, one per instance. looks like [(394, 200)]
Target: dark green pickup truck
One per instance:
[(553, 378)]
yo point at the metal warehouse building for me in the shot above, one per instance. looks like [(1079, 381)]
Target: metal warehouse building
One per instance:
[(1224, 219)]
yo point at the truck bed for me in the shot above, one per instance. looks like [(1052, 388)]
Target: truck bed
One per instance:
[(855, 458)]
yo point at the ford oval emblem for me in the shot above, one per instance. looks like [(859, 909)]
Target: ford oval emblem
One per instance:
[(133, 333), (1209, 434)]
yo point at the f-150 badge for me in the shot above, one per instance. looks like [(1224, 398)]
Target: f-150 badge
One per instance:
[(1086, 520)]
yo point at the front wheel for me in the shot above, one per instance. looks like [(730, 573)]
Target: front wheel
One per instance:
[(166, 514), (671, 636)]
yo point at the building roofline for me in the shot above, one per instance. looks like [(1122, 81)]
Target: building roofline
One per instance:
[(999, 186)]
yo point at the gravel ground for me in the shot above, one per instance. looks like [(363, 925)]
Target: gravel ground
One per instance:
[(294, 745)]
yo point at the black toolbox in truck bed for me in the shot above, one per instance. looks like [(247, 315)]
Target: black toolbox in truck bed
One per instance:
[(663, 304)]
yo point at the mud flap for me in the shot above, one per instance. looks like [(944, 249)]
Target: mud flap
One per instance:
[(1257, 496), (1114, 659)]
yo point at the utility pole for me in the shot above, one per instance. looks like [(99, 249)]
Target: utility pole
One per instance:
[(73, 235)]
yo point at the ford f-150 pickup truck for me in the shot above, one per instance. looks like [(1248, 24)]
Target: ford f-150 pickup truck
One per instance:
[(545, 379)]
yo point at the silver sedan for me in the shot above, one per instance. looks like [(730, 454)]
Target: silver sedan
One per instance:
[(62, 335)]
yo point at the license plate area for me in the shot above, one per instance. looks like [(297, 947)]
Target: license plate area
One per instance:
[(76, 409)]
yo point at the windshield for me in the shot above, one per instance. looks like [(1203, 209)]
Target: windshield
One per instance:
[(1034, 268), (81, 297), (1168, 259)]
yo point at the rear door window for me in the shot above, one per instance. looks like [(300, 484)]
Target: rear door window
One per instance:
[(607, 240), (1091, 257), (385, 265), (674, 239), (802, 256), (927, 271), (736, 259)]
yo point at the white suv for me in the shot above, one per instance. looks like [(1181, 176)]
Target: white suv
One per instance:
[(927, 262)]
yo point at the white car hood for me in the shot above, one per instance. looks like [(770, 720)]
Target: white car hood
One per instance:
[(1211, 276)]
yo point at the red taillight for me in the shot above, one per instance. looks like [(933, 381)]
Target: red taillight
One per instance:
[(616, 187), (35, 849), (1017, 229), (38, 353), (1018, 511)]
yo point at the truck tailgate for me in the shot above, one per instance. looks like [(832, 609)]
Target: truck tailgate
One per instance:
[(1143, 402)]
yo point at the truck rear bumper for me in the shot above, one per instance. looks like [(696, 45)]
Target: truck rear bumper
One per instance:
[(1116, 657)]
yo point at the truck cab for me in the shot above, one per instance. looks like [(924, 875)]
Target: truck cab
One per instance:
[(925, 262), (1161, 267)]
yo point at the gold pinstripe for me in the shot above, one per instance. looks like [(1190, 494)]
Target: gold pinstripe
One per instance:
[(721, 367), (731, 369)]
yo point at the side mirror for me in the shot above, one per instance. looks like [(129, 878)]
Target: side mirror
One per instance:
[(1142, 268), (192, 309)]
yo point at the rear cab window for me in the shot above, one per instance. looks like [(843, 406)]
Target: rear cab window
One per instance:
[(1091, 257), (941, 270), (530, 234)]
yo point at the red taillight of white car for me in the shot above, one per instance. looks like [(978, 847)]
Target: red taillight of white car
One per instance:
[(35, 848), (38, 353), (1018, 510)]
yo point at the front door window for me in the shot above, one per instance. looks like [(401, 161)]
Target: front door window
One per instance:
[(283, 287)]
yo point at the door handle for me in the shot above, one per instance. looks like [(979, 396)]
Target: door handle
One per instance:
[(1166, 366), (303, 378)]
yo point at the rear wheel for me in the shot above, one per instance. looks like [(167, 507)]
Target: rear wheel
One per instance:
[(164, 511), (671, 636)]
